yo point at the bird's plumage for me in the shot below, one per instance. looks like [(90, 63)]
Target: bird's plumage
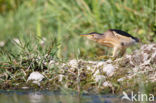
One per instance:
[(123, 33), (117, 39), (120, 32)]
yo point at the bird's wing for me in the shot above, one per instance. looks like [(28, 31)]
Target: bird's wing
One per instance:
[(110, 39), (120, 32), (121, 37)]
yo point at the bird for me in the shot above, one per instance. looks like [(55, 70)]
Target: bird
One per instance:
[(117, 39)]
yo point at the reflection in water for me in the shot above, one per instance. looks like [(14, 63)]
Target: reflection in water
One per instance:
[(35, 98), (53, 97)]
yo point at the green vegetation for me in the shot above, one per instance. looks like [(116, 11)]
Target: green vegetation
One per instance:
[(67, 19), (37, 31)]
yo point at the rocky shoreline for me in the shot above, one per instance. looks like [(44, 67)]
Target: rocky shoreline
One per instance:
[(131, 72)]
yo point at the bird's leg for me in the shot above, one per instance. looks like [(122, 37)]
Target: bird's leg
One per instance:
[(115, 52), (115, 49)]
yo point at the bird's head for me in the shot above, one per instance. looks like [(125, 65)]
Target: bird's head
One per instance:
[(92, 36)]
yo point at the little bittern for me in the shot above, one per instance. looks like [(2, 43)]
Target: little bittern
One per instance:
[(117, 39)]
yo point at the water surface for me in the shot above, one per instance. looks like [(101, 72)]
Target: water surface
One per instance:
[(31, 96)]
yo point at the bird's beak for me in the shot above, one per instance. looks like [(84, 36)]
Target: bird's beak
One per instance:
[(86, 35)]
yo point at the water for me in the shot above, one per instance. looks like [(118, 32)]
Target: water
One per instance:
[(30, 96)]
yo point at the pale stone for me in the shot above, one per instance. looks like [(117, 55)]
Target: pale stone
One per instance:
[(36, 77), (61, 77), (96, 72), (121, 79), (2, 43), (100, 78), (101, 63), (109, 69), (51, 63), (73, 63), (17, 40), (107, 84), (25, 87), (42, 42)]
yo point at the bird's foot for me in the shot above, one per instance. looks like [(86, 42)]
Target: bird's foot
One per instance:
[(103, 57), (112, 58)]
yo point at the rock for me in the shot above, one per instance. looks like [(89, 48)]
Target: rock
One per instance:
[(42, 41), (100, 63), (2, 43), (121, 79), (97, 72), (16, 40), (109, 69), (51, 63), (107, 84), (61, 77), (109, 61), (100, 78), (36, 77), (25, 87), (73, 63)]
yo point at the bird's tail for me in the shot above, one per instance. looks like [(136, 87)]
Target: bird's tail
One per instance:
[(137, 40)]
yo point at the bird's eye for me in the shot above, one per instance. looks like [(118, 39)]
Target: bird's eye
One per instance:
[(122, 44), (94, 35)]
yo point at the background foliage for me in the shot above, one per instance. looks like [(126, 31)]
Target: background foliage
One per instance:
[(65, 20)]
